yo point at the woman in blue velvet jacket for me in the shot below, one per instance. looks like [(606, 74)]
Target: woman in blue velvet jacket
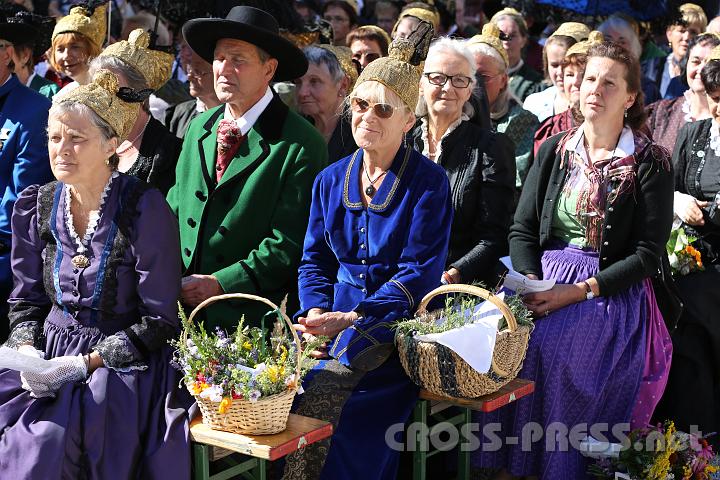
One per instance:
[(376, 244)]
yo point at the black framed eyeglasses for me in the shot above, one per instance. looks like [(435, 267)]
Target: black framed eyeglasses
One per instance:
[(440, 79)]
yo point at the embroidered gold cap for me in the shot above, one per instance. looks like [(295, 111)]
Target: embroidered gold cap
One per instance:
[(510, 12), (154, 66), (576, 30), (714, 54), (401, 70), (344, 57), (85, 20), (423, 14), (581, 48), (491, 36), (101, 95)]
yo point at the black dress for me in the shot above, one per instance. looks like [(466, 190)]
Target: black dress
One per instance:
[(157, 158), (179, 116), (480, 165), (692, 396)]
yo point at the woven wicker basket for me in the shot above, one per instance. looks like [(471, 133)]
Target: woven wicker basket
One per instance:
[(440, 370), (266, 416)]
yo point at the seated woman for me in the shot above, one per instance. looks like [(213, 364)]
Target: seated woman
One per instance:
[(573, 68), (375, 245), (594, 216), (666, 117), (552, 100), (480, 163), (524, 80), (368, 43), (692, 395), (150, 151), (77, 38), (320, 95), (506, 113), (96, 261)]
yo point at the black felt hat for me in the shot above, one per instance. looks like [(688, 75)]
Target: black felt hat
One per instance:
[(251, 25)]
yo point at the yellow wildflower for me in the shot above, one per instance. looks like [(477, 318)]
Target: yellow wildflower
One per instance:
[(661, 466), (247, 346), (275, 373), (198, 387), (225, 405)]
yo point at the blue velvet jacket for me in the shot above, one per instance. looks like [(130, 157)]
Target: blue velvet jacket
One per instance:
[(23, 156), (380, 260)]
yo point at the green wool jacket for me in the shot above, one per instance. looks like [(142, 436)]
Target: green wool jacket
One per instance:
[(248, 230)]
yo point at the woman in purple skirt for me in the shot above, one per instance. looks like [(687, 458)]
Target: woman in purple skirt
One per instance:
[(96, 265), (594, 216)]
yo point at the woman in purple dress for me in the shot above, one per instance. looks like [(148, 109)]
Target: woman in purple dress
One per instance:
[(594, 216), (96, 265)]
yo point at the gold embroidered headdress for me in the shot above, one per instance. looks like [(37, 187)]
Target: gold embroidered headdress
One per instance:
[(401, 70), (714, 54), (510, 12), (491, 36), (576, 30), (101, 95), (581, 48), (86, 20), (154, 66), (344, 58), (420, 13)]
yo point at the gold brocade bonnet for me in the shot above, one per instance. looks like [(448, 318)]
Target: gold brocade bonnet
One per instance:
[(575, 30), (101, 95), (423, 14), (401, 70), (344, 58), (581, 48), (510, 12), (92, 25), (491, 36), (714, 54), (153, 65)]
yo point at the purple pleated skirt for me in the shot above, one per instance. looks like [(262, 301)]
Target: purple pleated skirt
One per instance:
[(601, 362), (116, 425)]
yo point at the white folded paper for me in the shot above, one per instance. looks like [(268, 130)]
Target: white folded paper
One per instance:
[(475, 341), (590, 447), (14, 360), (520, 284)]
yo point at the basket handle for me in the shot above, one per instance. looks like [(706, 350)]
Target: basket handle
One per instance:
[(478, 292), (267, 302), (471, 290)]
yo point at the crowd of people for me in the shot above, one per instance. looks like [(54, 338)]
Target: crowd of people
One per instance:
[(347, 163)]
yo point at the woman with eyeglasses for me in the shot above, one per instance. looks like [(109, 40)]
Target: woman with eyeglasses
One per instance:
[(506, 113), (594, 216), (368, 43), (376, 243), (342, 15), (479, 163)]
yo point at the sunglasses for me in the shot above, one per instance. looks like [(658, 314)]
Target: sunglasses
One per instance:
[(382, 110)]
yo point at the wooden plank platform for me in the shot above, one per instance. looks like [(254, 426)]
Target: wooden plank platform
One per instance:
[(517, 388), (300, 431)]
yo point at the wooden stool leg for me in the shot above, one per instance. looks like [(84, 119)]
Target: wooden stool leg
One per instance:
[(261, 470), (420, 454), (201, 461), (464, 455)]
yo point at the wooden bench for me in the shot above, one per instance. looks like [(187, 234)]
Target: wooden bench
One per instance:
[(432, 405), (247, 456)]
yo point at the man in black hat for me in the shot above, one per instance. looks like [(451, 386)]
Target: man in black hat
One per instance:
[(23, 149), (245, 174)]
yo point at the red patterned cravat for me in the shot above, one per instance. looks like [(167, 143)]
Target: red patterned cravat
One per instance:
[(229, 140)]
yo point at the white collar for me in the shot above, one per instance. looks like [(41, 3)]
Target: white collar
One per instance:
[(200, 106), (30, 79), (246, 121), (624, 148), (715, 138)]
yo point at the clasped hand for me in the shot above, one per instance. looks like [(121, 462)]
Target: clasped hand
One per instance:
[(65, 370), (559, 296), (319, 322)]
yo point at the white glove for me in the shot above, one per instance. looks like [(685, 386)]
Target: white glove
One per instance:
[(66, 369)]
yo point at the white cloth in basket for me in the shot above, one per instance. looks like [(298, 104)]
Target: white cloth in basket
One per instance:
[(475, 341)]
